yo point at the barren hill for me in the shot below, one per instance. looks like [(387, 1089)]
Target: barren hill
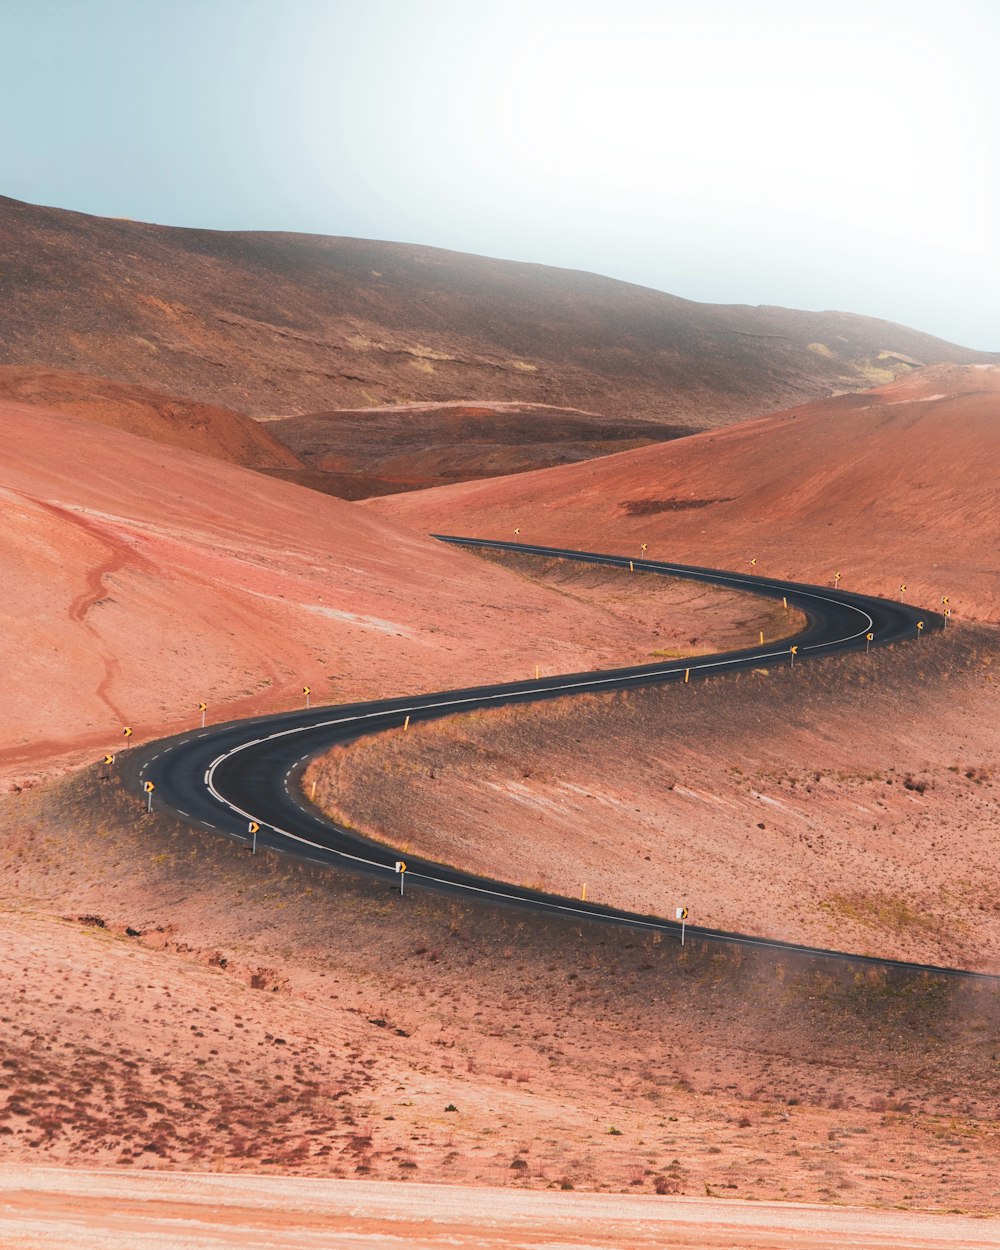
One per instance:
[(168, 419), (890, 487), (281, 323), (139, 580)]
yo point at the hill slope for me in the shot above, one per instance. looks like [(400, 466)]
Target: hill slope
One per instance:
[(894, 486), (185, 423), (139, 580), (281, 323)]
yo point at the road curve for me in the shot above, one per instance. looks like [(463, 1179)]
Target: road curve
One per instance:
[(225, 777)]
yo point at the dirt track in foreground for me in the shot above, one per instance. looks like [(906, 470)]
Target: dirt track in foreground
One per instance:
[(92, 1210)]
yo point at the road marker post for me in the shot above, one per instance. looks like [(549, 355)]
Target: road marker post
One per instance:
[(406, 723), (401, 869), (149, 787), (784, 602), (681, 914), (583, 893), (869, 638), (687, 675), (794, 652), (203, 708), (312, 792), (538, 672), (761, 637), (631, 567), (253, 828)]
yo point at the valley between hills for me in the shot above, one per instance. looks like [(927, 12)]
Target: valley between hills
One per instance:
[(223, 458)]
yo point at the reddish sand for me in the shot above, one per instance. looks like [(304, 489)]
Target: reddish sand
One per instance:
[(174, 1002), (854, 803), (42, 1207), (167, 419), (894, 486), (139, 581), (178, 1003)]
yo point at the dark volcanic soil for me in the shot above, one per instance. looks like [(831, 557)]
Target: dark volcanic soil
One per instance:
[(362, 452)]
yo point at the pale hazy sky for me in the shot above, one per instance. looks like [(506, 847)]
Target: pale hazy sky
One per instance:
[(815, 155)]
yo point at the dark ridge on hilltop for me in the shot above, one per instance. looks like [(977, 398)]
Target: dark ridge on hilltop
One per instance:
[(268, 323)]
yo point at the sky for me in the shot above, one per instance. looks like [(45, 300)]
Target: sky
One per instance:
[(801, 154)]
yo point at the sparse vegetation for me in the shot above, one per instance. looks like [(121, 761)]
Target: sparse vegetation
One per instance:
[(338, 1052), (658, 765)]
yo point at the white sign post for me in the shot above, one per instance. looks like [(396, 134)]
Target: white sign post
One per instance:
[(401, 869), (682, 914)]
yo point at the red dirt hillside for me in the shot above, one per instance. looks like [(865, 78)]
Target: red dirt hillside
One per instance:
[(139, 580), (205, 428), (896, 485), (283, 323)]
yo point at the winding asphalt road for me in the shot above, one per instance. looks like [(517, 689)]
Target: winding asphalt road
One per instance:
[(225, 777)]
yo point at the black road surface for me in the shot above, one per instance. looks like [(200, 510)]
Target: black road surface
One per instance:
[(229, 776)]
